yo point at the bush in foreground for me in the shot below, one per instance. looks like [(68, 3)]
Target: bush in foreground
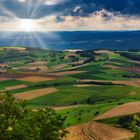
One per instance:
[(17, 122), (135, 126), (131, 122)]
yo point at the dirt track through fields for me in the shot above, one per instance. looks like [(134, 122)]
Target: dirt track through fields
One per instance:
[(99, 131), (34, 93), (76, 133), (121, 110), (87, 133)]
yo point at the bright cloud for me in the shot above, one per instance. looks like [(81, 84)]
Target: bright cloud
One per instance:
[(77, 8), (100, 20), (53, 2), (22, 1)]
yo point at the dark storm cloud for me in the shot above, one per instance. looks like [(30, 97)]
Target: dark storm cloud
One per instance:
[(70, 7), (128, 7)]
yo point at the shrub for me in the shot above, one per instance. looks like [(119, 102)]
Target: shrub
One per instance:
[(17, 122)]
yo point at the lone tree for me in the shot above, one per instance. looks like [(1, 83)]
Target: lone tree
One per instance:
[(17, 122)]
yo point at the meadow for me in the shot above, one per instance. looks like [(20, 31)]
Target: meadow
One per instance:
[(30, 71)]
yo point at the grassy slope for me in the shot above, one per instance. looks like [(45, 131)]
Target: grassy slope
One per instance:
[(84, 114)]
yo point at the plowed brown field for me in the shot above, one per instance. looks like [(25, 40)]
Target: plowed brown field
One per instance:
[(16, 87), (34, 93), (76, 133), (121, 110), (101, 131), (35, 79)]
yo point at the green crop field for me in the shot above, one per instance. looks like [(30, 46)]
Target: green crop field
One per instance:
[(95, 98), (67, 95), (9, 83)]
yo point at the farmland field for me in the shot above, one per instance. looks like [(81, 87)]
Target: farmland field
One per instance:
[(35, 79), (80, 87), (34, 93)]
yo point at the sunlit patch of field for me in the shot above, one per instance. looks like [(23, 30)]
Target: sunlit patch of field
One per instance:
[(105, 51), (12, 48)]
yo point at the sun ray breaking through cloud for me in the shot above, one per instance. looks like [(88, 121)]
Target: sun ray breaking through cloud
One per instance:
[(6, 11), (26, 17), (41, 43), (36, 9)]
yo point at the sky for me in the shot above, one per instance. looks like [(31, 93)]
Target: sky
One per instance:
[(69, 15)]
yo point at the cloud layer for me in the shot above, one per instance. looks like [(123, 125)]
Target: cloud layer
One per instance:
[(57, 15)]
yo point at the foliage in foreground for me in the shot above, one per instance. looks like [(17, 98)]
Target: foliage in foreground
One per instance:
[(19, 123), (133, 123)]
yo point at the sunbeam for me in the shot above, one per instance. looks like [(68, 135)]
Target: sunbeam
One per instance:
[(40, 42), (24, 28), (36, 9), (6, 11)]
